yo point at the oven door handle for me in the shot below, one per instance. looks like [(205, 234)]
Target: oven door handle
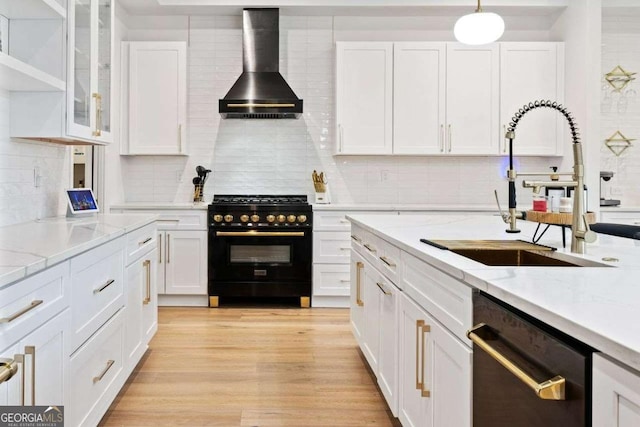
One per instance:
[(551, 389), (254, 233)]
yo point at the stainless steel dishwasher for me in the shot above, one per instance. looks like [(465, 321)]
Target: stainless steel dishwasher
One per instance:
[(525, 373)]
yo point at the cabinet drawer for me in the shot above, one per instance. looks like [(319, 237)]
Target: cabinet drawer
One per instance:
[(447, 299), (27, 304), (337, 220), (140, 242), (97, 286), (331, 280), (174, 220), (331, 247), (96, 371), (389, 260)]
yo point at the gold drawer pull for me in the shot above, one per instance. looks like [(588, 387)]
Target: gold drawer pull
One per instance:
[(31, 351), (551, 389), (369, 248), (103, 287), (145, 241), (386, 261), (19, 313), (104, 372), (345, 280), (8, 368), (384, 291), (419, 325), (424, 392), (147, 265), (356, 238), (359, 267), (345, 249)]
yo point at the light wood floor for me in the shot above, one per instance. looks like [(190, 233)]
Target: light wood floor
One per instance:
[(251, 367)]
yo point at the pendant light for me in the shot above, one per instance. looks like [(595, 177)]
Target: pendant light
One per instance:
[(479, 27)]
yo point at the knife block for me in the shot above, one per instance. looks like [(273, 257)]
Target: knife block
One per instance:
[(323, 198)]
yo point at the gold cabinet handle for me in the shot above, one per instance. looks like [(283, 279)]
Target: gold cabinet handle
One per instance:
[(551, 389), (340, 134), (369, 248), (20, 312), (441, 138), (345, 221), (449, 140), (31, 351), (147, 265), (359, 267), (345, 249), (159, 248), (386, 261), (381, 287), (504, 139), (8, 368), (103, 287), (356, 238), (345, 280), (168, 248), (19, 358), (180, 138), (419, 325), (145, 241), (104, 372), (423, 391), (98, 130)]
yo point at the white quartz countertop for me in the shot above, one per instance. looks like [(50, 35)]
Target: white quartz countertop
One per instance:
[(30, 247), (597, 305), (402, 207), (160, 206)]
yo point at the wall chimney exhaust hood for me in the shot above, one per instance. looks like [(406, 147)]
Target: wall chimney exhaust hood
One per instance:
[(260, 92)]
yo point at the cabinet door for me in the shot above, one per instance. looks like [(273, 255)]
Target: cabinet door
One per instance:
[(371, 300), (90, 38), (472, 99), (356, 312), (388, 354), (415, 405), (418, 98), (364, 87), (616, 394), (530, 72), (46, 362), (157, 70), (186, 262), (141, 314)]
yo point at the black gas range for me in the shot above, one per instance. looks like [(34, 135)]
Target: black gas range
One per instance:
[(260, 246)]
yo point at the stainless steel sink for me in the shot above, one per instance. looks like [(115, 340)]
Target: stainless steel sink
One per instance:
[(525, 258), (515, 253)]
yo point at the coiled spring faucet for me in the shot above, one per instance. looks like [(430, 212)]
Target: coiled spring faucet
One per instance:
[(579, 226)]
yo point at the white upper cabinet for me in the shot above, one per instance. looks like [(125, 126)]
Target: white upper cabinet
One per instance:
[(419, 71), (473, 90), (530, 72), (82, 113), (364, 85), (156, 71)]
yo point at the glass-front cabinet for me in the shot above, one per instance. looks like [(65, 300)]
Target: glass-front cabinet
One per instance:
[(89, 77)]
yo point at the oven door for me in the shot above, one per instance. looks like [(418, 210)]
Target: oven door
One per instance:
[(260, 255)]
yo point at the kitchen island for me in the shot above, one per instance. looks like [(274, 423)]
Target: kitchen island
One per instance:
[(596, 305)]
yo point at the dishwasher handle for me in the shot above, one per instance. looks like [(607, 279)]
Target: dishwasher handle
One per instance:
[(551, 389)]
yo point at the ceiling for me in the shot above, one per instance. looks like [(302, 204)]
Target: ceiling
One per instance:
[(540, 8)]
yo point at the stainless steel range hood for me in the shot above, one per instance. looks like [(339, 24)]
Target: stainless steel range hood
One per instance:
[(260, 92)]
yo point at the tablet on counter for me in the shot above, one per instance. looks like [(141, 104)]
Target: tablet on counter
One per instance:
[(82, 200)]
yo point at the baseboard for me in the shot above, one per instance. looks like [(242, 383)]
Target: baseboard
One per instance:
[(183, 300), (330, 302)]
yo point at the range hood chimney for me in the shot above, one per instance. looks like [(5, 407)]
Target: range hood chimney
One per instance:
[(260, 92)]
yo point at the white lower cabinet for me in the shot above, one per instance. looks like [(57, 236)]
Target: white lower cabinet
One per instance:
[(370, 296), (97, 373), (388, 351), (435, 371), (182, 262), (616, 394)]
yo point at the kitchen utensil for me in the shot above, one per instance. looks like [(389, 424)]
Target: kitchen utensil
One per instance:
[(200, 170), (196, 180)]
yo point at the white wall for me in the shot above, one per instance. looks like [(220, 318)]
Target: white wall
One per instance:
[(278, 156), (621, 111), (20, 200)]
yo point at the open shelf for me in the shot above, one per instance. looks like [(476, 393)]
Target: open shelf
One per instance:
[(15, 75), (32, 9)]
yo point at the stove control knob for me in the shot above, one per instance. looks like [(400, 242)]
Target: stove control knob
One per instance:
[(302, 218), (255, 218), (281, 218), (291, 218), (244, 218), (228, 218), (217, 218), (271, 218)]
